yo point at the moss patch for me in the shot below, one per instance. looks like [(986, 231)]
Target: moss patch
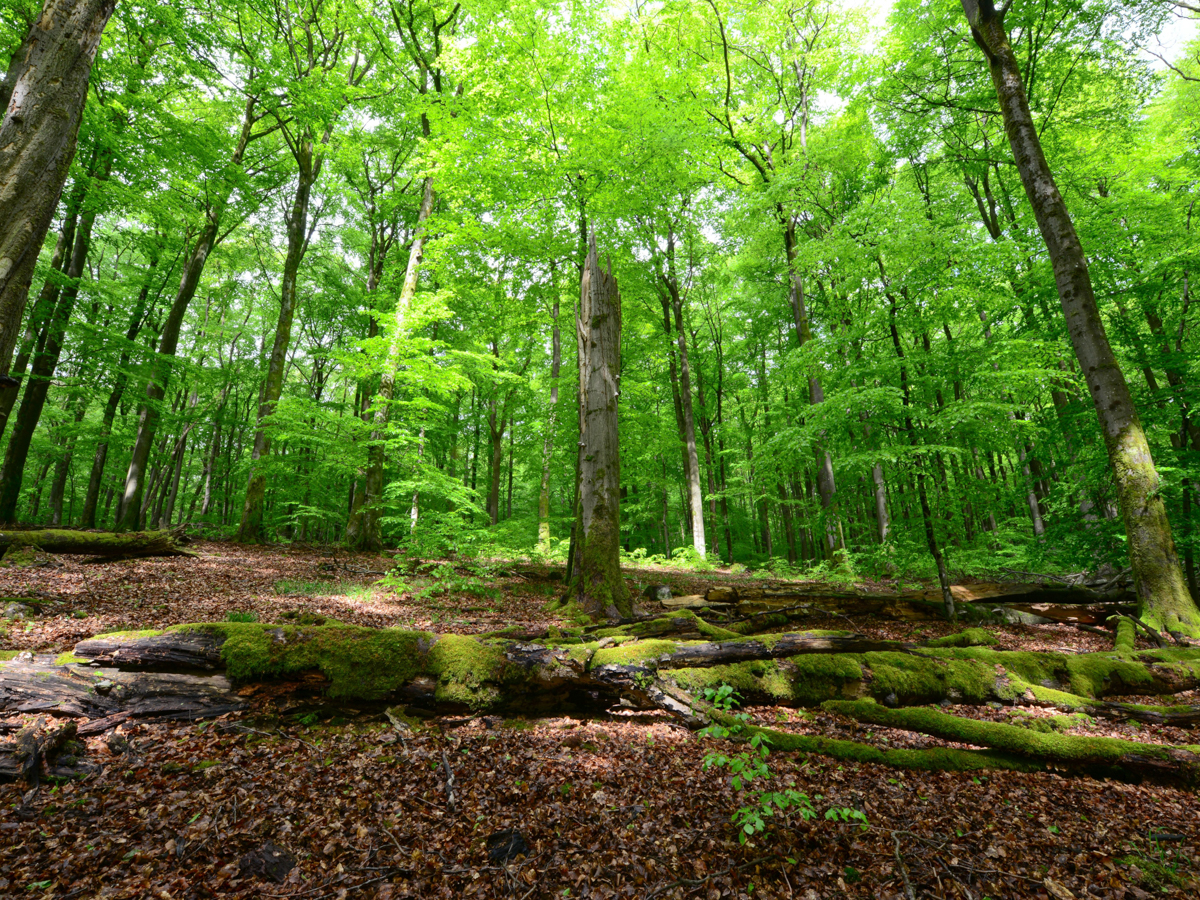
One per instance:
[(360, 663), (968, 637)]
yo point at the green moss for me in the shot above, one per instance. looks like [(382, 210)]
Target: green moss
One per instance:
[(6, 655), (129, 635), (969, 637), (1049, 724), (634, 653), (360, 663), (1057, 748), (928, 679), (1126, 635), (940, 759), (69, 659), (467, 670), (753, 680)]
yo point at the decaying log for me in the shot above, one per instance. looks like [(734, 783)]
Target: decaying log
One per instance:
[(22, 759), (149, 675), (79, 692), (97, 543)]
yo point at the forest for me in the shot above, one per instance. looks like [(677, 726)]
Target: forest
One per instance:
[(394, 393)]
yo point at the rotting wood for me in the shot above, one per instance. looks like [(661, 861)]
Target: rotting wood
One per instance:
[(97, 543)]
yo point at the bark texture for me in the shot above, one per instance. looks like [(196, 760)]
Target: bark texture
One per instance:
[(43, 96), (597, 584), (1158, 576)]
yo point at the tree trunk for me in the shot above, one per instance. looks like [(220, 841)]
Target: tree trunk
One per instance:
[(1160, 584), (62, 468), (160, 369), (93, 543), (44, 306), (551, 426), (695, 499), (42, 97), (34, 399), (369, 532), (598, 587), (309, 159)]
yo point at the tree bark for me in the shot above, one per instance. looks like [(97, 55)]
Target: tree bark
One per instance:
[(695, 498), (160, 369), (1157, 573), (309, 155), (42, 98), (551, 426), (598, 587), (369, 532)]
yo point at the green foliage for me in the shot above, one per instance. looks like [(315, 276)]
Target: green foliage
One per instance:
[(749, 773)]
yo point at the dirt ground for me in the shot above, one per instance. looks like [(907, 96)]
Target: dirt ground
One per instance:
[(621, 805)]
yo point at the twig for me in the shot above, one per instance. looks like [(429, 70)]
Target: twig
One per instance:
[(1154, 635), (908, 890), (449, 780)]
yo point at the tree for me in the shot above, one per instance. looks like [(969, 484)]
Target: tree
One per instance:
[(598, 587), (1161, 588), (42, 97)]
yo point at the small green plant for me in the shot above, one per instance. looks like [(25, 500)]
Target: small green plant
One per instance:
[(241, 617), (749, 768)]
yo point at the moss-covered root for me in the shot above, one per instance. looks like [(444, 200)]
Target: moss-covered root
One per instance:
[(1126, 635), (934, 760), (1109, 756)]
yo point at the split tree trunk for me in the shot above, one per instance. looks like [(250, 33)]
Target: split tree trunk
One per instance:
[(1155, 562), (42, 97), (597, 584)]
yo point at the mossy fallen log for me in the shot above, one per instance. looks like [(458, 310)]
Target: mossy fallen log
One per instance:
[(1179, 765), (454, 673), (95, 543)]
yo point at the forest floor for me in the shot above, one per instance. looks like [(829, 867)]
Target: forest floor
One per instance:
[(619, 805)]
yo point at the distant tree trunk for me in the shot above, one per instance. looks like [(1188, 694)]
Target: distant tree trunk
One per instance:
[(369, 531), (598, 586), (695, 498), (309, 157), (160, 368), (1162, 592), (551, 426), (919, 467), (42, 97), (62, 468), (512, 437), (136, 319)]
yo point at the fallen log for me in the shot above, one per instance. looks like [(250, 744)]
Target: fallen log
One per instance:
[(95, 543), (1151, 761), (175, 673)]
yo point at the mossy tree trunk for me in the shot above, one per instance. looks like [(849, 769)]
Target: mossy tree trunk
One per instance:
[(1162, 592), (597, 585)]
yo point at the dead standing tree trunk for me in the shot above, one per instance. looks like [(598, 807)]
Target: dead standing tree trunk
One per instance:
[(1161, 589), (597, 585), (42, 97)]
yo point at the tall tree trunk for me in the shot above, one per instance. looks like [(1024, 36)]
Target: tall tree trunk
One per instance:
[(62, 468), (695, 499), (551, 426), (1158, 577), (33, 401), (43, 307), (370, 534), (597, 584), (42, 97), (160, 369), (309, 159), (919, 467), (136, 320)]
